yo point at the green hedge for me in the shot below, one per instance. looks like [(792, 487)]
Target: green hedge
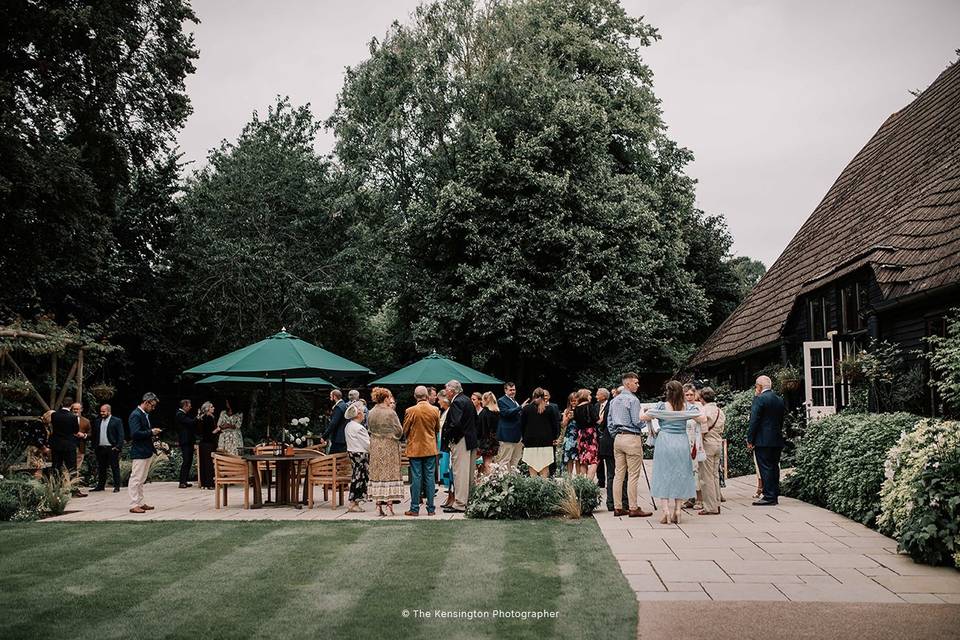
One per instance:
[(839, 462), (920, 498)]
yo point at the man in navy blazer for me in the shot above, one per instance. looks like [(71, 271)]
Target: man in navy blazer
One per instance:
[(461, 424), (335, 432), (508, 427), (107, 436), (765, 438)]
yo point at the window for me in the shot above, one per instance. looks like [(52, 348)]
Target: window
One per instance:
[(853, 302), (818, 318)]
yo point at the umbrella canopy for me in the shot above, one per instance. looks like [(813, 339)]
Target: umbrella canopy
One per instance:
[(436, 369), (280, 356), (254, 381)]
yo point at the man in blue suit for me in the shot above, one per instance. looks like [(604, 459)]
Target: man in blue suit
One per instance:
[(508, 427), (107, 437), (335, 432), (765, 438)]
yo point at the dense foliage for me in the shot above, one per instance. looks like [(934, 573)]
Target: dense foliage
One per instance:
[(920, 499), (945, 362), (91, 98), (839, 462), (515, 154), (508, 495), (21, 500)]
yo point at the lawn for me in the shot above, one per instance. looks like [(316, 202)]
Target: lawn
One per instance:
[(310, 580)]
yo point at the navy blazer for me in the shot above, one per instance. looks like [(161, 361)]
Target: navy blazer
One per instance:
[(186, 429), (114, 432), (336, 427), (141, 435), (766, 421), (508, 427), (462, 421)]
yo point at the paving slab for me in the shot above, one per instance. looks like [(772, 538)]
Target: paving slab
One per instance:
[(741, 592), (690, 571)]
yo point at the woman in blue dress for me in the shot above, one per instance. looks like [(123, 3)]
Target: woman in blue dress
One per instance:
[(673, 480), (570, 429)]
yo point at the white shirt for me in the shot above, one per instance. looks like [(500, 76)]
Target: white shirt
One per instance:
[(357, 436), (104, 441)]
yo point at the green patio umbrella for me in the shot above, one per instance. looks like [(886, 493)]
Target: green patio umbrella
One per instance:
[(254, 381), (281, 357), (436, 369)]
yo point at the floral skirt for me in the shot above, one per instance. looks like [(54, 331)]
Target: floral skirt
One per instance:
[(231, 442), (359, 476), (386, 482), (570, 453), (587, 449)]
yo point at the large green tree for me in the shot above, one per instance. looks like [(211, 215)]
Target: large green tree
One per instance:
[(535, 212), (259, 245), (91, 97)]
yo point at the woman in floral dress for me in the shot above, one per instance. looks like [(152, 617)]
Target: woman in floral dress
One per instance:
[(358, 448), (587, 443), (231, 438), (569, 427)]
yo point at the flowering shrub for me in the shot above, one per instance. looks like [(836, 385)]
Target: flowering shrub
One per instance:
[(839, 462), (588, 494), (920, 498), (504, 494)]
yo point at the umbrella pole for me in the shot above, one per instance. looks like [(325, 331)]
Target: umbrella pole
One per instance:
[(269, 409), (283, 402)]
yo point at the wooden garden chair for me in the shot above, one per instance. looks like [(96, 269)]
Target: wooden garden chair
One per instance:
[(231, 470), (332, 473)]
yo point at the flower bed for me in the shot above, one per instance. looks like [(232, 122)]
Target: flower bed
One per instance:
[(505, 494), (920, 498)]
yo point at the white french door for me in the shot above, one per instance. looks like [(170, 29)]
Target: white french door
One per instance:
[(818, 378)]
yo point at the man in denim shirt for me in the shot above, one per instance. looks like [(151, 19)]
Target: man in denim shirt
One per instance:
[(624, 424)]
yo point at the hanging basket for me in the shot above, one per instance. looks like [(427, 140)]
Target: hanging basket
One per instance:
[(790, 384), (16, 388), (103, 391)]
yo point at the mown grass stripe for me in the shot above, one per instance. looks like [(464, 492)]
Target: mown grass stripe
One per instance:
[(403, 562), (529, 580), (115, 569), (467, 580), (230, 571), (580, 577)]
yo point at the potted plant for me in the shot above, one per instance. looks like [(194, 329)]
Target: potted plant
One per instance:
[(788, 378)]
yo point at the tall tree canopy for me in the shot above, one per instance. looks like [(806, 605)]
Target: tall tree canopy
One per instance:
[(258, 245), (91, 97), (537, 212)]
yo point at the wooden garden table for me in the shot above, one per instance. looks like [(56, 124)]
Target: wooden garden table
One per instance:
[(286, 475)]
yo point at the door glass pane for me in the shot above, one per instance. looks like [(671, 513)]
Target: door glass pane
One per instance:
[(829, 396), (828, 375), (818, 397), (816, 376), (816, 357)]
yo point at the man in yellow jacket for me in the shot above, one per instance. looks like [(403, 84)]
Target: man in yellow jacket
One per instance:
[(420, 425)]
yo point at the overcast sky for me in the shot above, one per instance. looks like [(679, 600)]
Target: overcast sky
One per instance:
[(774, 97)]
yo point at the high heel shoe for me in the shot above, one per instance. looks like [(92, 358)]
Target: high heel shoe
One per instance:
[(665, 518), (676, 516)]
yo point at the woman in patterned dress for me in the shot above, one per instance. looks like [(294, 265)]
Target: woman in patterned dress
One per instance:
[(358, 448), (231, 439), (587, 444), (692, 396), (569, 427), (672, 480), (386, 482)]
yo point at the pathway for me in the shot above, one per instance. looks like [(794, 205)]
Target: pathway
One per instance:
[(791, 552)]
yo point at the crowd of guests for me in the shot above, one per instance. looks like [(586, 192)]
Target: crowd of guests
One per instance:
[(450, 438)]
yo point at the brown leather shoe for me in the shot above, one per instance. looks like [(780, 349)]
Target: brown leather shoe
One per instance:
[(619, 512), (411, 513), (147, 507), (137, 510), (639, 513)]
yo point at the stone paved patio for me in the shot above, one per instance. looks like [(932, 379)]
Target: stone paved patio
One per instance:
[(173, 503), (791, 552)]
